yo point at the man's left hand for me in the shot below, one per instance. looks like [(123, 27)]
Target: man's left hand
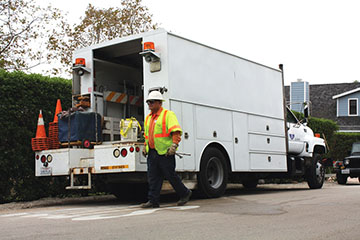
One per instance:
[(172, 150)]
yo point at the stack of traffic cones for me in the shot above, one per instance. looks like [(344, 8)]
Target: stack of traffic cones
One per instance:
[(54, 128), (40, 142)]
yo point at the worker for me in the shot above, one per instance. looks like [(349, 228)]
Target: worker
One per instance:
[(162, 137)]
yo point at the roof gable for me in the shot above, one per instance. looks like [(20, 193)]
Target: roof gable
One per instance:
[(346, 93)]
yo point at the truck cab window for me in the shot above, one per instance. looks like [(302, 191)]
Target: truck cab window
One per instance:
[(290, 117)]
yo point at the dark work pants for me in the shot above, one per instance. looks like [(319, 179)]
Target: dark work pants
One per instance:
[(160, 166)]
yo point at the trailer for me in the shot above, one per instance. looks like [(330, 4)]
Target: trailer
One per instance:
[(236, 127)]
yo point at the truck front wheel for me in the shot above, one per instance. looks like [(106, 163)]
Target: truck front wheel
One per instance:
[(213, 175), (315, 173), (341, 179)]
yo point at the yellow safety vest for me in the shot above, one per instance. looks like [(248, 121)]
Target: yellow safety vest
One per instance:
[(165, 124)]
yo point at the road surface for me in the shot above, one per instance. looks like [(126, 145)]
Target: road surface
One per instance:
[(286, 211)]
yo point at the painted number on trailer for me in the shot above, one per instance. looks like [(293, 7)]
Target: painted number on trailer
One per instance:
[(45, 171), (114, 167)]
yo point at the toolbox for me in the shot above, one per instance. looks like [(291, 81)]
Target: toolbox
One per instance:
[(80, 126)]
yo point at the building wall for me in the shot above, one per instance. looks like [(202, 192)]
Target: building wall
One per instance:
[(299, 94), (323, 106), (343, 104)]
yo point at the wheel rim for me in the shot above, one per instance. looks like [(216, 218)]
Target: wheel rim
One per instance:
[(215, 172), (320, 172)]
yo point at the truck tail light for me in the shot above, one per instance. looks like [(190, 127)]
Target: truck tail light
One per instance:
[(123, 152), (49, 158), (37, 157), (43, 158), (116, 153), (137, 149), (131, 149)]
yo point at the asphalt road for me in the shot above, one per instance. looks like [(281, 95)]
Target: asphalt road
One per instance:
[(287, 211)]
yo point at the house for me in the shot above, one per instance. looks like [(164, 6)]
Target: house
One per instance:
[(338, 102)]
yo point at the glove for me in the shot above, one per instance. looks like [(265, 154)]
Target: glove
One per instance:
[(172, 150), (144, 153)]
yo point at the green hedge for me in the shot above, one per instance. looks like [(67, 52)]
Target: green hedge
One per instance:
[(22, 96), (341, 144)]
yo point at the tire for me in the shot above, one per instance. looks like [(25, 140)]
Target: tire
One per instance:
[(250, 184), (213, 175), (341, 179), (315, 174)]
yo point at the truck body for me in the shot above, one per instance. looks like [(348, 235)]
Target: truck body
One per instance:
[(236, 127)]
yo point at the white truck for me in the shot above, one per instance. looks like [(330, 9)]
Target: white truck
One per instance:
[(236, 127)]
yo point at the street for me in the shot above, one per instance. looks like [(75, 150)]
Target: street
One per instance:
[(286, 211)]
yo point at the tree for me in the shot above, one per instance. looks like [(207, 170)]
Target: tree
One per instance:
[(100, 25), (23, 33)]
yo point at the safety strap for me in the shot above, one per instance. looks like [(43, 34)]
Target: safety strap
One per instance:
[(122, 123)]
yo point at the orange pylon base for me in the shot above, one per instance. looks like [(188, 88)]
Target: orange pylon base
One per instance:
[(39, 144), (54, 135)]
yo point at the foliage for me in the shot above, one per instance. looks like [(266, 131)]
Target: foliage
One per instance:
[(341, 144), (24, 29), (21, 97), (323, 126), (100, 25)]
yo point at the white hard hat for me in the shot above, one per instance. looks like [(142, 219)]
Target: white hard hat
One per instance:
[(155, 95)]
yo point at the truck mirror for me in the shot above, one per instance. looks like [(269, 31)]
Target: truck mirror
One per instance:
[(306, 112)]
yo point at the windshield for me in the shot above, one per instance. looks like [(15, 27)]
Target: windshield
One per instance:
[(355, 148), (290, 117)]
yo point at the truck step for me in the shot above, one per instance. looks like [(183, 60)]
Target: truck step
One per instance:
[(80, 171)]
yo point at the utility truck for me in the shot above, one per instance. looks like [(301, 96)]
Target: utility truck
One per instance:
[(236, 127)]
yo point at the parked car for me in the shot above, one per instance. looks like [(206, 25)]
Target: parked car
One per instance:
[(350, 166)]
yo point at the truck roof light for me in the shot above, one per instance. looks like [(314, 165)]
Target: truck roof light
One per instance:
[(149, 46), (317, 135), (80, 61)]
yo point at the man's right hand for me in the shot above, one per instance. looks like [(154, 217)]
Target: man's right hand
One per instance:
[(144, 153)]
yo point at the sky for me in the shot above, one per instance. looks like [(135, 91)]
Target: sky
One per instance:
[(317, 40)]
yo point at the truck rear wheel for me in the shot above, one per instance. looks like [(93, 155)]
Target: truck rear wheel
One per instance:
[(341, 179), (213, 175), (315, 174)]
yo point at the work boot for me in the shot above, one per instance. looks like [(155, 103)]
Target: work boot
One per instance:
[(185, 199), (149, 204)]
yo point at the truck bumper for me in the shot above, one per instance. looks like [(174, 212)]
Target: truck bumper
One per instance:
[(110, 158), (352, 172)]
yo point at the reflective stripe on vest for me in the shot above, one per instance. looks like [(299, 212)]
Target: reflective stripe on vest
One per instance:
[(162, 137)]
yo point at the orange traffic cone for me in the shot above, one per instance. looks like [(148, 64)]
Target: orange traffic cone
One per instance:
[(40, 131), (40, 142), (58, 110)]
